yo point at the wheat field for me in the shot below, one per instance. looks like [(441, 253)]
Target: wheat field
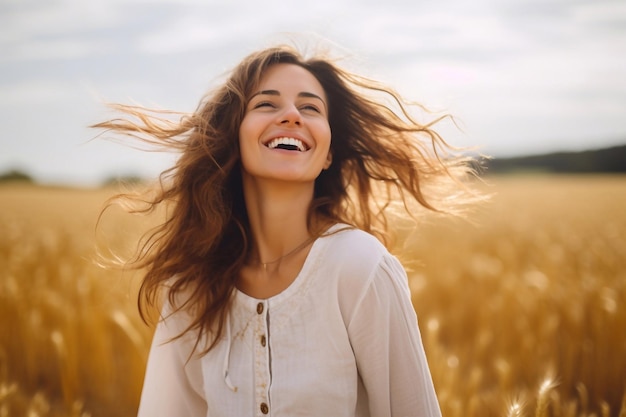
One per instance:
[(521, 311)]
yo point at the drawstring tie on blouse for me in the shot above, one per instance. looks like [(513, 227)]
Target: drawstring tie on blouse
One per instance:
[(227, 380)]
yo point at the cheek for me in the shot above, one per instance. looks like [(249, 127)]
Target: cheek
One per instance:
[(327, 135), (321, 131), (247, 134), (244, 130)]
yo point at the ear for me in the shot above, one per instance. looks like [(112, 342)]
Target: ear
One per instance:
[(329, 160)]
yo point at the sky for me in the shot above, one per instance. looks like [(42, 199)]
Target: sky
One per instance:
[(520, 76)]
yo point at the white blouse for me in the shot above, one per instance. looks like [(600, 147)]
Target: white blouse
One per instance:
[(341, 341)]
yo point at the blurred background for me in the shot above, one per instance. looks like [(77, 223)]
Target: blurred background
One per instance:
[(522, 76)]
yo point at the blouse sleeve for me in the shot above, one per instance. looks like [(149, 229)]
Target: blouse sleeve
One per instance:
[(388, 348), (173, 382)]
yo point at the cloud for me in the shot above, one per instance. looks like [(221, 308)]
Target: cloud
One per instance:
[(521, 74), (40, 91), (31, 19), (601, 12), (36, 31), (191, 31), (52, 49)]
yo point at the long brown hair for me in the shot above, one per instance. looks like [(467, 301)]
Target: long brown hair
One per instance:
[(202, 245)]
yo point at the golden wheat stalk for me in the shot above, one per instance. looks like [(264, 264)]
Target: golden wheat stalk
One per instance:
[(622, 412), (515, 410), (544, 397), (124, 324), (67, 377)]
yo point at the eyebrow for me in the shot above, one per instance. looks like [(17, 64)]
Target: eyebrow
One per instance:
[(277, 93)]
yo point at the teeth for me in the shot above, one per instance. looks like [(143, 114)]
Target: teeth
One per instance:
[(274, 143)]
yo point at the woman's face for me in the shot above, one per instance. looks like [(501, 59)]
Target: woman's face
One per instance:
[(285, 134)]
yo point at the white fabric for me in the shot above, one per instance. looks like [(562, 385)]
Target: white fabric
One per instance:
[(341, 340)]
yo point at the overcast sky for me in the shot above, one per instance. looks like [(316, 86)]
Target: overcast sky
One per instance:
[(522, 76)]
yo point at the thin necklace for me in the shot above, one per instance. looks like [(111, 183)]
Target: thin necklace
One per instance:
[(291, 252)]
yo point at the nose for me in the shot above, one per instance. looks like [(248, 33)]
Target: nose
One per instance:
[(291, 116)]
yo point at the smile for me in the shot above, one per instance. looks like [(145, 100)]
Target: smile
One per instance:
[(289, 144)]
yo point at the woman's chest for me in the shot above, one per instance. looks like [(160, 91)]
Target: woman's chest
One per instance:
[(285, 358)]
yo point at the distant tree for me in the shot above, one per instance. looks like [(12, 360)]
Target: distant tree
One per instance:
[(16, 175), (124, 179)]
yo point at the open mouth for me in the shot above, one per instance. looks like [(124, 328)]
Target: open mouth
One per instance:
[(288, 144)]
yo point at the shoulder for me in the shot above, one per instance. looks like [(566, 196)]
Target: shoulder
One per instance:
[(357, 258), (359, 264), (353, 247)]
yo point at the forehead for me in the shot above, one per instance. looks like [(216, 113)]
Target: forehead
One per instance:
[(290, 78)]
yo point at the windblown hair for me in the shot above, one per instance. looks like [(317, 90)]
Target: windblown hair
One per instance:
[(379, 156)]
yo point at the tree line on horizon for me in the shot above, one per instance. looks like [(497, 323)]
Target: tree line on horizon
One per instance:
[(605, 160)]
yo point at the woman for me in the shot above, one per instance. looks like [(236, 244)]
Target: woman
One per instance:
[(278, 299)]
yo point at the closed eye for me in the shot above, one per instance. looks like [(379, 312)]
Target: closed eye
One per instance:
[(264, 104), (310, 107)]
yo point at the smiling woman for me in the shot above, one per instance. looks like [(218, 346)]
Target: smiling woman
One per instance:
[(285, 134), (278, 297)]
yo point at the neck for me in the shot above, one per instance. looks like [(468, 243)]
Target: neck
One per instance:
[(278, 215)]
